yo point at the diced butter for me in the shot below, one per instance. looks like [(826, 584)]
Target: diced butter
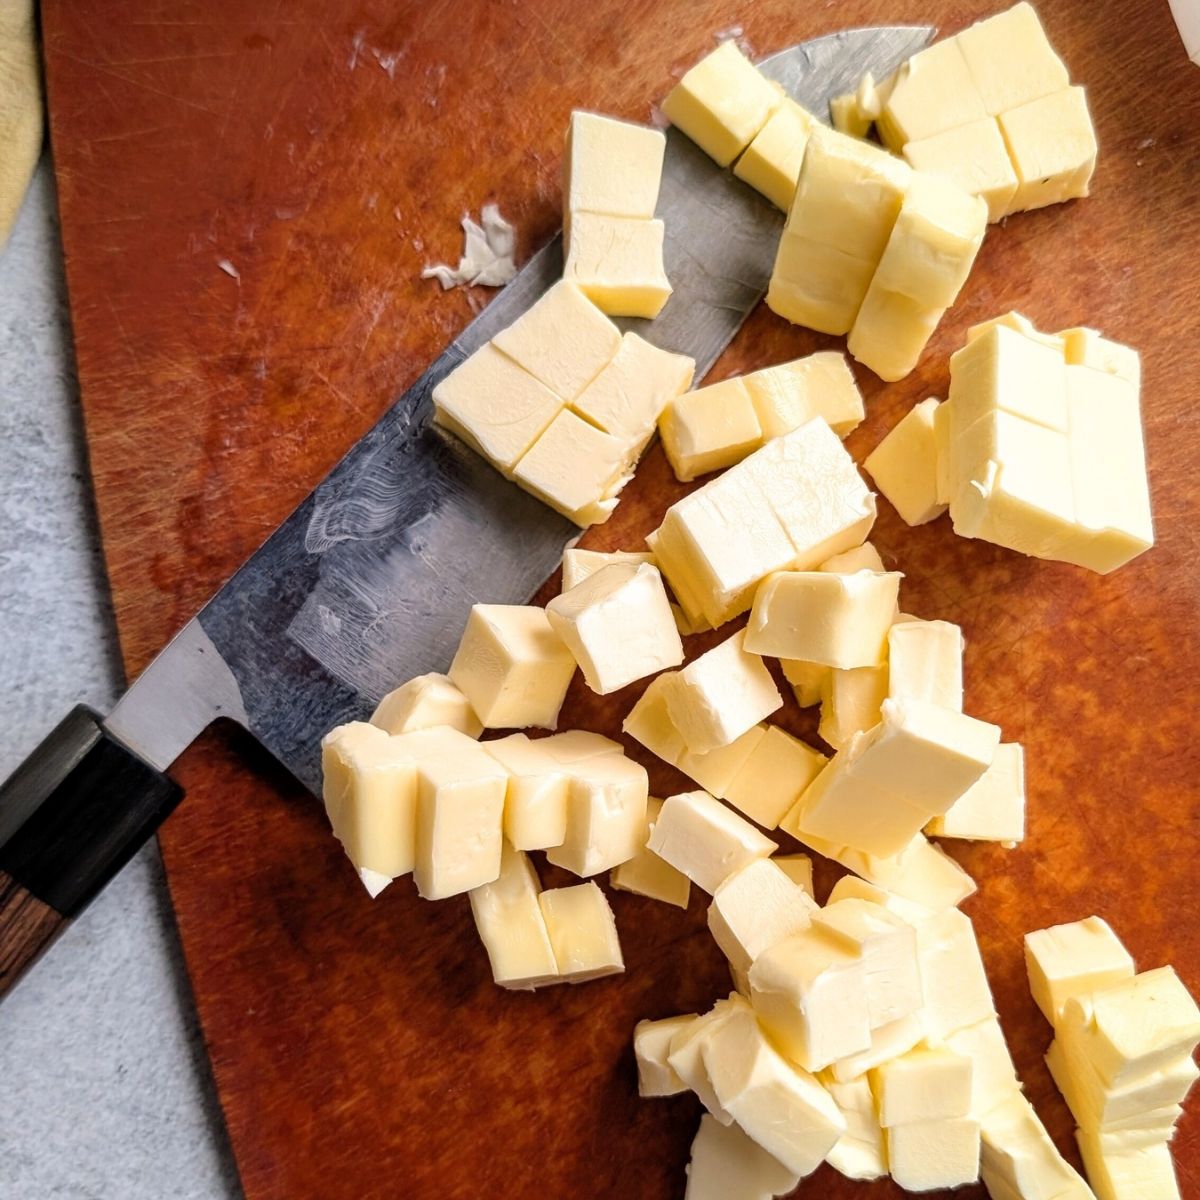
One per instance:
[(424, 702), (685, 1054), (726, 1162), (617, 262), (754, 908), (631, 391), (992, 810), (926, 1084), (890, 332), (645, 874), (789, 394), (929, 1155), (606, 815), (704, 839), (887, 1042), (904, 465), (720, 695), (798, 868), (651, 1045), (930, 93), (510, 924), (776, 771), (1019, 1160), (709, 429), (807, 680), (925, 662), (861, 1152), (824, 617), (1010, 59), (851, 702), (771, 163), (578, 565), (512, 666), (922, 873), (1147, 1173), (495, 406), (974, 158), (535, 802), (1053, 148), (722, 103), (953, 978), (993, 1075), (816, 284), (612, 167), (582, 931)]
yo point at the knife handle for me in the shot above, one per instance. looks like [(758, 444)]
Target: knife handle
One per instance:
[(71, 816)]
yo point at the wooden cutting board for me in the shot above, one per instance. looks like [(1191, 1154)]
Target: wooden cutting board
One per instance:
[(247, 201)]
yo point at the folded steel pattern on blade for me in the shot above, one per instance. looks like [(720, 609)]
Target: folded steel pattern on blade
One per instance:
[(369, 581)]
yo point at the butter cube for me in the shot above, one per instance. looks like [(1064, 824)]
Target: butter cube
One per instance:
[(861, 1152), (1147, 1172), (993, 809), (755, 908), (460, 815), (512, 666), (926, 1084), (611, 167), (606, 815), (424, 702), (617, 262), (704, 839), (651, 1045), (1011, 60), (784, 1110), (645, 874), (1003, 369), (851, 702), (921, 873), (631, 392), (887, 1042), (578, 565), (807, 680), (771, 163), (993, 1075), (510, 924), (974, 158), (495, 406), (816, 284), (928, 1155), (953, 978), (925, 662), (809, 991), (563, 340), (685, 1054), (709, 429), (790, 394), (370, 790), (576, 469), (618, 625), (720, 695), (582, 931), (1018, 1158), (535, 800), (776, 771), (1053, 148), (798, 868), (726, 1162), (722, 103), (904, 465), (890, 332), (888, 947), (930, 93)]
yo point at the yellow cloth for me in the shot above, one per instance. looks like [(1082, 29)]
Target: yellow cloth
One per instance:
[(20, 107)]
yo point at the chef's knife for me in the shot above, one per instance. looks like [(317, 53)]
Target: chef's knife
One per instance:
[(369, 581)]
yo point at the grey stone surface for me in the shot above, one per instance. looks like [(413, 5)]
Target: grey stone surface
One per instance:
[(104, 1084)]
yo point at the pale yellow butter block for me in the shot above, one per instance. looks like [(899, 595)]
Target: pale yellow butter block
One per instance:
[(1019, 1160), (512, 666), (925, 662), (685, 1053), (1020, 451), (716, 770), (649, 723), (722, 103), (890, 332), (1147, 1174), (1053, 148), (424, 702), (575, 468), (754, 908), (709, 429), (618, 625), (706, 840), (927, 1156), (993, 1074), (926, 1084), (651, 1045), (726, 1162), (922, 873), (861, 1152), (578, 565), (807, 680), (771, 163), (1010, 59), (784, 1110), (816, 284), (582, 931), (904, 465), (617, 262), (563, 340), (720, 695), (645, 874), (495, 406), (972, 157), (789, 394), (839, 620), (460, 815), (992, 810), (629, 395), (798, 868), (851, 702), (611, 166), (535, 800), (931, 92), (606, 815), (887, 1042), (776, 771), (511, 927), (370, 792), (953, 979)]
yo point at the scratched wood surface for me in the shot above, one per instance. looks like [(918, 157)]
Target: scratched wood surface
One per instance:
[(247, 201)]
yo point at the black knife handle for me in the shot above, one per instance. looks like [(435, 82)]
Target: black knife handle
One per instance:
[(71, 816)]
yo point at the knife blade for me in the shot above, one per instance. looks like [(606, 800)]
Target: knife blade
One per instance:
[(369, 582)]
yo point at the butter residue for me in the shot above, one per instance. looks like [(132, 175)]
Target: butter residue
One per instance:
[(487, 257)]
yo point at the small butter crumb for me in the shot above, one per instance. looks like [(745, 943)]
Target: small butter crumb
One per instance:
[(487, 257)]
